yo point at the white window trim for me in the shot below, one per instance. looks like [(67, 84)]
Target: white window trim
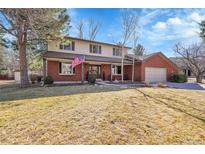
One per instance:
[(65, 45), (115, 71), (98, 47), (64, 73), (115, 51)]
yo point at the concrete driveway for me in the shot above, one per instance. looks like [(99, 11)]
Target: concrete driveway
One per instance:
[(191, 86)]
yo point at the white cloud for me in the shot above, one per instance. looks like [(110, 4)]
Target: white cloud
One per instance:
[(160, 25), (174, 21), (147, 15), (196, 17), (178, 28)]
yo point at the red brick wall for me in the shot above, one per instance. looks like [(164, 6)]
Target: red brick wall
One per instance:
[(155, 61), (128, 72), (106, 70), (116, 77), (53, 70), (138, 72), (158, 61), (6, 77)]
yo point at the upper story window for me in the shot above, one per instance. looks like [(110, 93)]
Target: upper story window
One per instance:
[(70, 46), (117, 52), (66, 69), (95, 49)]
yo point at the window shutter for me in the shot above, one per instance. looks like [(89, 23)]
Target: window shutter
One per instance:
[(99, 49), (61, 46), (60, 67), (118, 69), (90, 48), (73, 46), (74, 70), (113, 52)]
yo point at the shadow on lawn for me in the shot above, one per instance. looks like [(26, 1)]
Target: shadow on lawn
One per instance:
[(159, 101), (15, 93)]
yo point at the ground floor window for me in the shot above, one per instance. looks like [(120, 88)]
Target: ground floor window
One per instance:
[(116, 69), (187, 72), (66, 69)]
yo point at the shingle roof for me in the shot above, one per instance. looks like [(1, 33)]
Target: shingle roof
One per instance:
[(179, 61), (61, 55), (144, 57), (93, 41)]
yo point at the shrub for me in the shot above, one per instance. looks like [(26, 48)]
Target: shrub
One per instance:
[(161, 85), (39, 78), (33, 78), (180, 78), (92, 78), (147, 84), (48, 80)]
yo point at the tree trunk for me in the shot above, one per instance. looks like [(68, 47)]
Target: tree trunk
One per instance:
[(199, 79), (122, 66), (23, 60)]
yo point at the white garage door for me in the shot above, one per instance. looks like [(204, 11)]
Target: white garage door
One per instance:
[(155, 74)]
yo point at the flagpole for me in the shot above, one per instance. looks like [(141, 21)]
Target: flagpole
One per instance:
[(83, 71)]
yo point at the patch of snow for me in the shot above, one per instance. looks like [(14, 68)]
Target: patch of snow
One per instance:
[(192, 86)]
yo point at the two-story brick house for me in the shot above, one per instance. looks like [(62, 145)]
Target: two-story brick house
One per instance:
[(105, 60)]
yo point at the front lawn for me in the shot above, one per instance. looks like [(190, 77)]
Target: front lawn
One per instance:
[(101, 115)]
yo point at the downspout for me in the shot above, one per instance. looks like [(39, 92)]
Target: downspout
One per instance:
[(133, 69)]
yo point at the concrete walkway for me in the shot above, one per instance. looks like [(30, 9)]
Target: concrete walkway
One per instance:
[(191, 86)]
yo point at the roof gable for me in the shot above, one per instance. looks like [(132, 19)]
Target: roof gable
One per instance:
[(146, 58)]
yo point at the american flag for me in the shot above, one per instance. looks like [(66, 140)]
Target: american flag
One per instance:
[(77, 60)]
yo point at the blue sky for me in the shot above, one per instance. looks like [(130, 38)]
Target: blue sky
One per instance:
[(159, 29)]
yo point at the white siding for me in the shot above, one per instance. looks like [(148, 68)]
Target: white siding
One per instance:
[(83, 47)]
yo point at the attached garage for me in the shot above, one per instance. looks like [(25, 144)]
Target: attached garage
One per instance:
[(155, 68), (153, 74)]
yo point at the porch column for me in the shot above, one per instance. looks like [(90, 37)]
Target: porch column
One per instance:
[(82, 73), (110, 72)]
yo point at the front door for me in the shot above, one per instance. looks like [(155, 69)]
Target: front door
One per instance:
[(95, 69)]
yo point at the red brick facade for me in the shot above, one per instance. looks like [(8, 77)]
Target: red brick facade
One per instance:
[(158, 61), (53, 70), (139, 72)]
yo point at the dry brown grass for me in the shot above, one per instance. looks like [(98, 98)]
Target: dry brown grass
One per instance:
[(99, 115)]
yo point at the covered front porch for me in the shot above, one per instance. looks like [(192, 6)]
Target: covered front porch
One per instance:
[(60, 71), (57, 65)]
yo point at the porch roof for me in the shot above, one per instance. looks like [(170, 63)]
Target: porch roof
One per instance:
[(62, 55)]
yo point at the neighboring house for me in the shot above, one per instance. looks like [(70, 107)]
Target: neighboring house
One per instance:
[(183, 67), (103, 59)]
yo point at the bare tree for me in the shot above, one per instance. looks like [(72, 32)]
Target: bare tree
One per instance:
[(135, 39), (93, 29), (129, 24), (80, 28), (27, 24), (193, 57), (139, 50)]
